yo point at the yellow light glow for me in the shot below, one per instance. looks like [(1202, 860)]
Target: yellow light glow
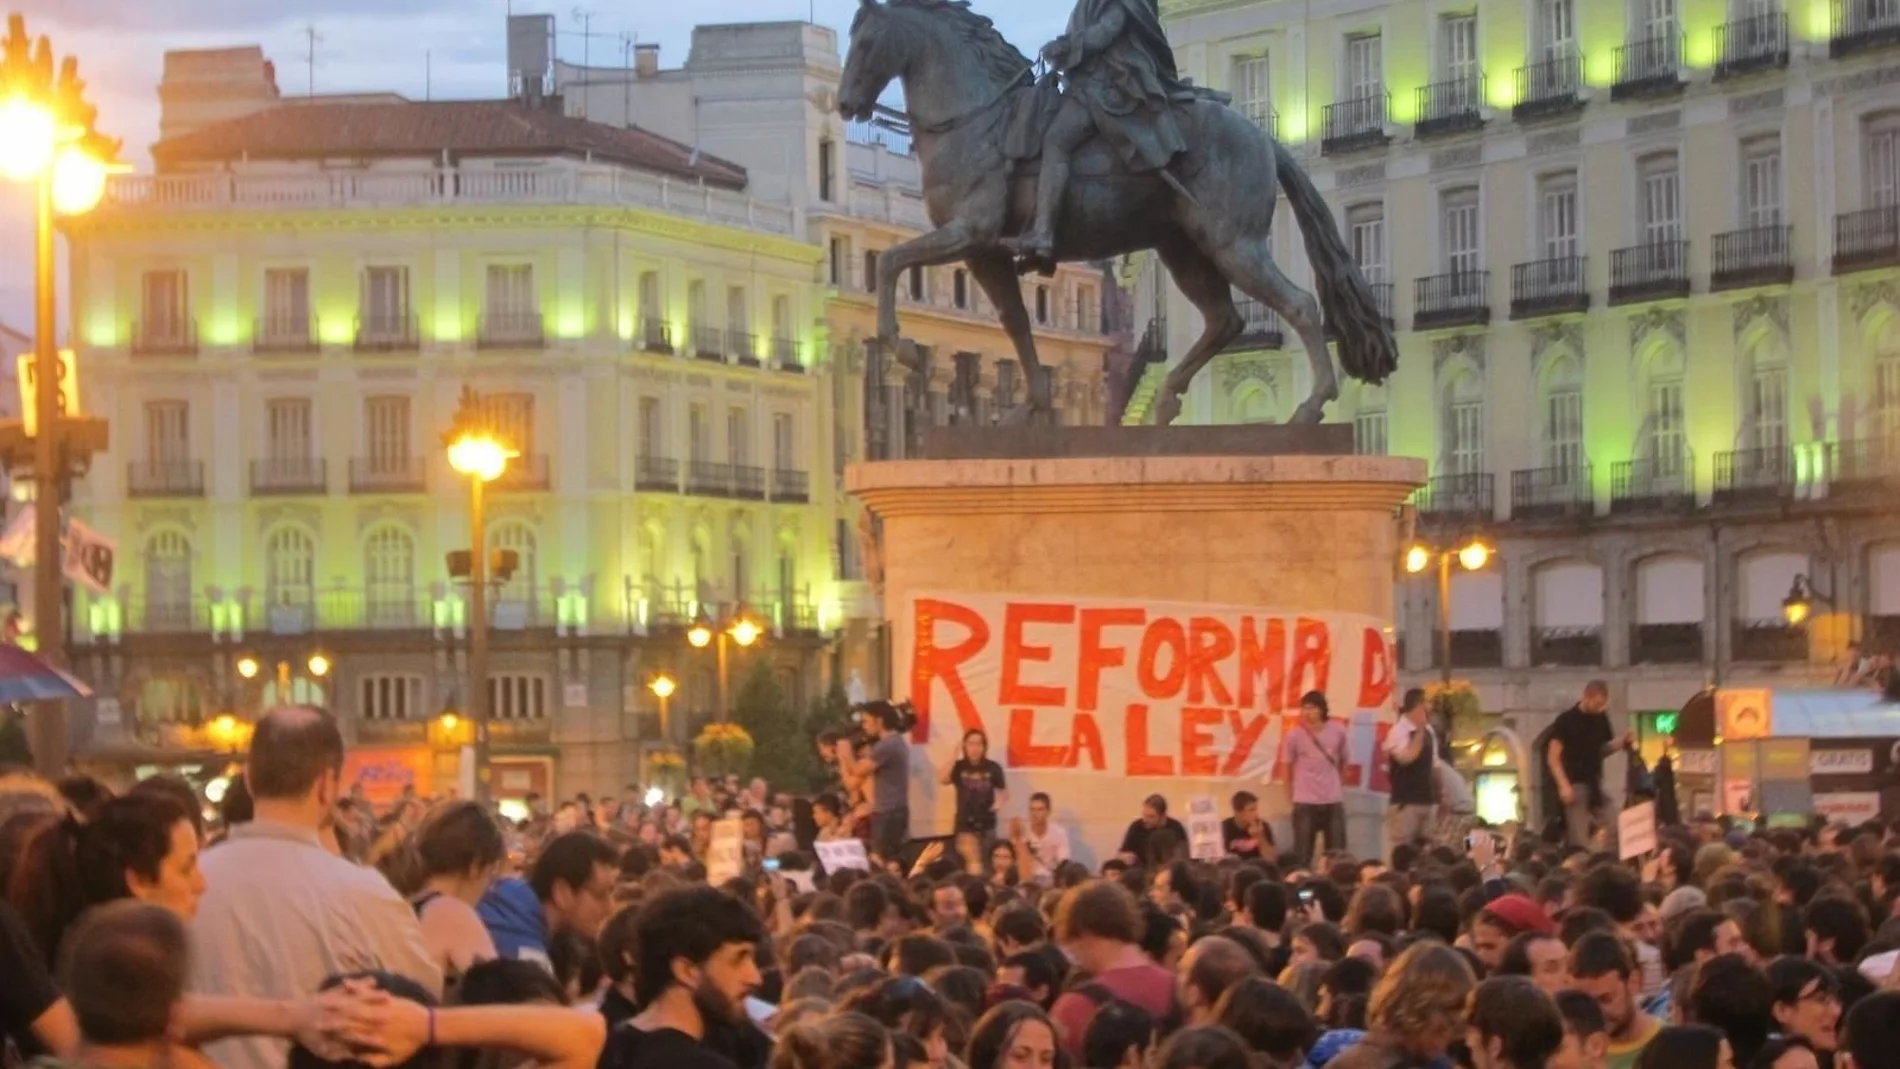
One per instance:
[(28, 136), (699, 635), (1501, 93), (450, 722), (1473, 555), (223, 729), (79, 181), (1417, 559), (319, 665), (744, 631), (662, 686), (480, 456), (247, 667), (1796, 611), (1698, 51), (1820, 20), (1599, 69)]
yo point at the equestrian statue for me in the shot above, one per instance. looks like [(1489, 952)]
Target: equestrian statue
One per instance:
[(1109, 152)]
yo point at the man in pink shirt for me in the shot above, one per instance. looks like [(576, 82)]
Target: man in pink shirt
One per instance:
[(1099, 926), (1316, 751)]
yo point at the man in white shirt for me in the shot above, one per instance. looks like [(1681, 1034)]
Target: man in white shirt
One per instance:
[(1412, 751), (1047, 841)]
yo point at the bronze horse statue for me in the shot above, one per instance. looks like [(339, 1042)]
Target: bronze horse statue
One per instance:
[(1207, 218)]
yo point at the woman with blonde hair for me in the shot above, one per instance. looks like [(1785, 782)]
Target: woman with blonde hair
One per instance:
[(1417, 1011)]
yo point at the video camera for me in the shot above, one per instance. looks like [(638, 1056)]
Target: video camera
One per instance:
[(898, 717)]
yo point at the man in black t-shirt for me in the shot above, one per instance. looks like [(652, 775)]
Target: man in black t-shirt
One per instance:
[(1245, 834), (697, 962), (1156, 839), (30, 1012), (1579, 741)]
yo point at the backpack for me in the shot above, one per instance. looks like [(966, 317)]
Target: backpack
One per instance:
[(1100, 996)]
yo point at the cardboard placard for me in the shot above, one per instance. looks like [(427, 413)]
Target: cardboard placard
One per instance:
[(1636, 830), (725, 857), (843, 854), (1204, 838)]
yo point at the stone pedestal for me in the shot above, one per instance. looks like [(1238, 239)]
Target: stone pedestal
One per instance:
[(1164, 521)]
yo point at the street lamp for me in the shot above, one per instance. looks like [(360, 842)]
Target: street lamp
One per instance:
[(663, 687), (47, 137), (738, 628), (1472, 554), (475, 450), (1798, 606), (318, 664), (247, 667)]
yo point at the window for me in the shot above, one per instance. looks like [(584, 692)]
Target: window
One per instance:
[(518, 697), (1042, 305), (650, 304), (511, 296), (1464, 425), (1768, 408), (391, 698), (1365, 225), (1368, 432), (651, 442), (1252, 92), (1881, 152), (784, 442), (1458, 59), (695, 305), (290, 568), (164, 309), (518, 537), (1556, 29), (1886, 399), (917, 287), (1666, 440), (287, 430), (1761, 182), (782, 318), (1088, 309), (167, 433), (1459, 232), (1563, 420), (512, 417), (386, 302), (1658, 20), (1661, 185), (827, 169), (738, 313), (837, 262), (286, 304), (738, 436), (389, 577), (1365, 70), (386, 434), (960, 288), (1008, 378), (698, 433), (870, 271), (1557, 215), (168, 580)]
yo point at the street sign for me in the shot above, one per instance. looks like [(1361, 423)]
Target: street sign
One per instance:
[(68, 389)]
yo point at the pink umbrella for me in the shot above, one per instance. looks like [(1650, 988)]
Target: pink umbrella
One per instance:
[(24, 677)]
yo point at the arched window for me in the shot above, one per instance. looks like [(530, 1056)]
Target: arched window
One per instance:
[(290, 578), (523, 588), (389, 577), (1254, 402), (1665, 435), (1462, 420), (1561, 424), (168, 556), (1765, 397)]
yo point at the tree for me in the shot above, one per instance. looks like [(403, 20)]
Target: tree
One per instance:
[(780, 754)]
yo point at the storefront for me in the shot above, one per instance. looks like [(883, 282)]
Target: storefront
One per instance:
[(1786, 755)]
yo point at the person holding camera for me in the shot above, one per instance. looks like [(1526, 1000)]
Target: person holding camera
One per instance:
[(885, 764)]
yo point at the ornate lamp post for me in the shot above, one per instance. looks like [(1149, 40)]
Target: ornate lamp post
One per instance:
[(477, 452), (738, 628), (1472, 555)]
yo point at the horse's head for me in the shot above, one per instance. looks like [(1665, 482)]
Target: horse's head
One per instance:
[(875, 59)]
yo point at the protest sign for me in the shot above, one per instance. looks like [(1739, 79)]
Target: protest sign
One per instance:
[(841, 855), (725, 858), (1636, 830)]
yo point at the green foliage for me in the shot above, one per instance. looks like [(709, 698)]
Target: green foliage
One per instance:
[(722, 749), (786, 754)]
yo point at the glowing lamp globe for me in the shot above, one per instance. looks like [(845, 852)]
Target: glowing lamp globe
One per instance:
[(1417, 559), (79, 181), (319, 665), (28, 137), (662, 686), (247, 668), (1474, 555), (744, 632), (699, 635), (479, 456)]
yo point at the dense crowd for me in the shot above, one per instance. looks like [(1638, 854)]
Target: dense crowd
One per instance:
[(295, 924)]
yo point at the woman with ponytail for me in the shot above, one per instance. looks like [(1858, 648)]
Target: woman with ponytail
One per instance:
[(841, 1041), (141, 846)]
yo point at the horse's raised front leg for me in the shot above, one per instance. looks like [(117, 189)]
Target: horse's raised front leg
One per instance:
[(995, 271), (941, 246)]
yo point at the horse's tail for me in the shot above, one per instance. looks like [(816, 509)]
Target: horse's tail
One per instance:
[(1366, 349)]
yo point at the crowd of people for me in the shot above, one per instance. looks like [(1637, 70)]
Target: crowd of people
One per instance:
[(296, 925)]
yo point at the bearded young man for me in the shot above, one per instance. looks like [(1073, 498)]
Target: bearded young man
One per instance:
[(1603, 968), (696, 963)]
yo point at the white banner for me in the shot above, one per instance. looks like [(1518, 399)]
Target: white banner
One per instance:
[(1848, 807), (88, 554), (1841, 762), (1102, 702)]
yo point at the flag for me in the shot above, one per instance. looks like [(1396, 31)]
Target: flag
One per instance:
[(88, 554)]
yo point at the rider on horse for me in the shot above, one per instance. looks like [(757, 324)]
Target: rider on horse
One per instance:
[(1120, 81)]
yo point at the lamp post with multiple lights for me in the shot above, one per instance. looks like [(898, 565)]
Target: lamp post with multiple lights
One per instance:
[(738, 628), (475, 450), (1472, 555), (663, 686), (47, 138)]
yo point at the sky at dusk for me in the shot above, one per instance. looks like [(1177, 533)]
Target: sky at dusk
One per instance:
[(445, 48)]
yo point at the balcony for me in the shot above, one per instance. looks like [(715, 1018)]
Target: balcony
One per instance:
[(742, 347), (1459, 299), (1453, 500), (388, 475), (1355, 125), (1381, 299), (1865, 467), (1569, 647), (1863, 26), (1867, 239), (748, 481), (1450, 107), (1549, 89), (162, 609), (1260, 327), (285, 336), (789, 484), (1746, 46), (1650, 67), (510, 330), (708, 479), (655, 335), (709, 343), (1470, 649), (1559, 493), (1666, 643), (1757, 256), (289, 475), (166, 337), (1745, 477), (656, 473), (528, 472), (387, 334), (1653, 485), (785, 356), (165, 478), (1657, 271), (1769, 640), (1557, 286)]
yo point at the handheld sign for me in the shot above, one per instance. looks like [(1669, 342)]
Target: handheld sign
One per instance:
[(843, 854), (1204, 838), (725, 858), (1636, 830)]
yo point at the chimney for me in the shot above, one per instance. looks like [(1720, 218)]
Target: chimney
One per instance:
[(646, 60)]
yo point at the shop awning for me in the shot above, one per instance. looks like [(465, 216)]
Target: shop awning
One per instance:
[(1834, 714)]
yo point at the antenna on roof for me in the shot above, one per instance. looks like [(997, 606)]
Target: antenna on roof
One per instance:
[(428, 74), (311, 39)]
